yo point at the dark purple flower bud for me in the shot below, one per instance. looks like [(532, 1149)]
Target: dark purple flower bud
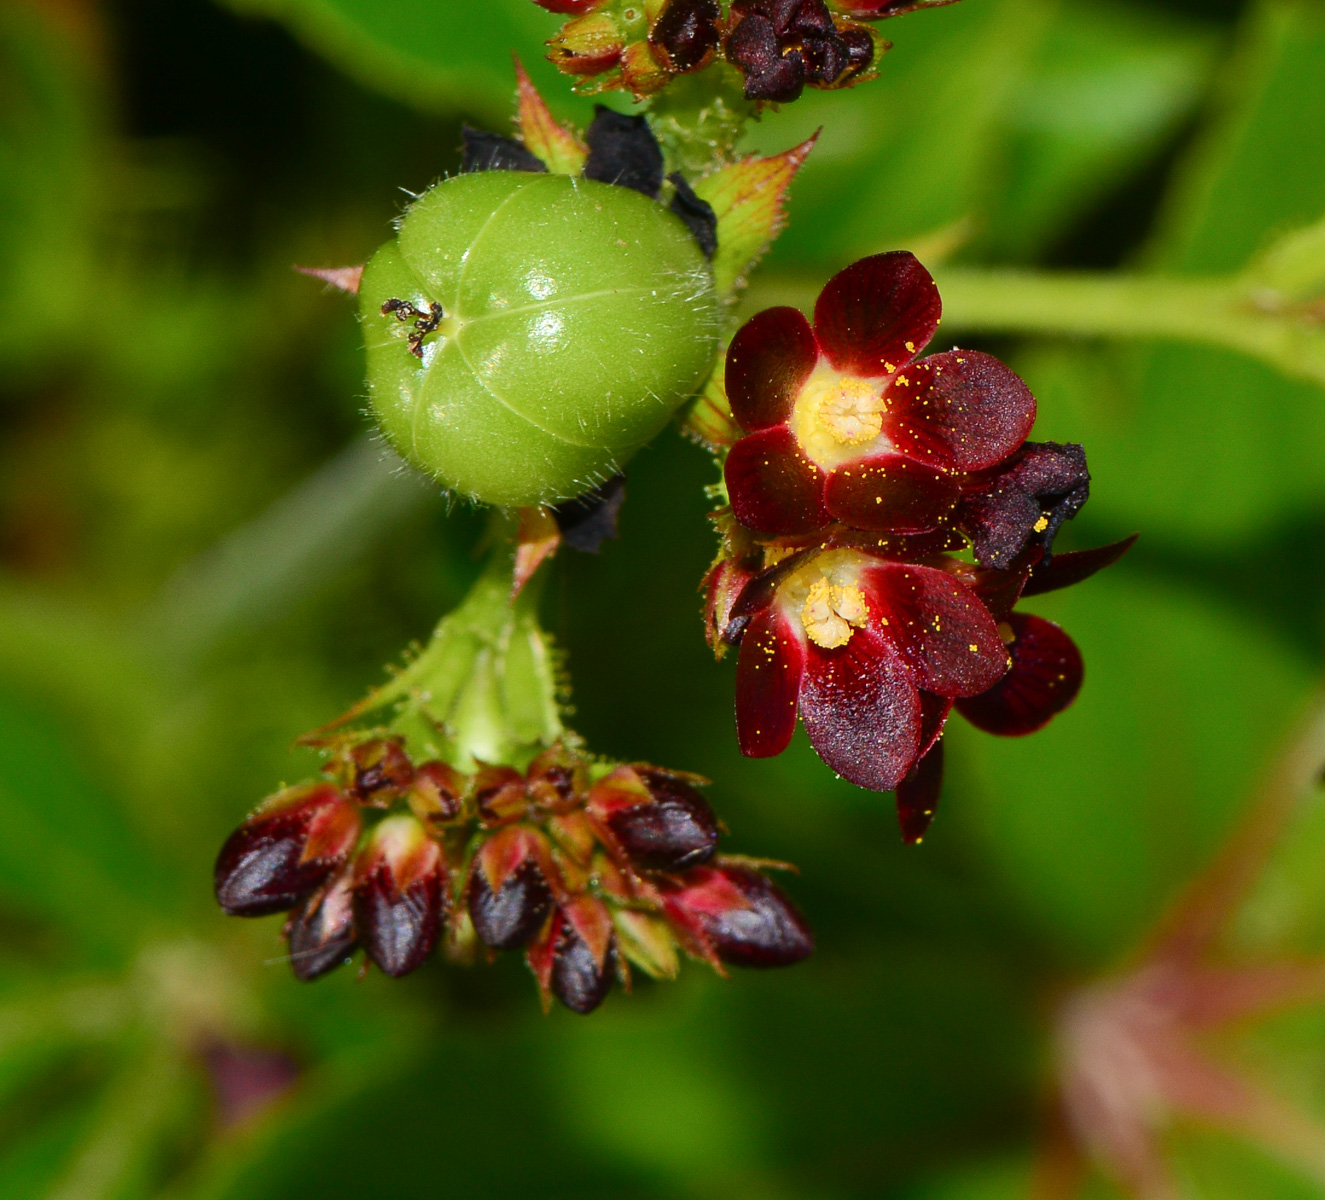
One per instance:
[(321, 934), (739, 915), (860, 47), (584, 957), (285, 850), (686, 33), (509, 897), (656, 818), (400, 895)]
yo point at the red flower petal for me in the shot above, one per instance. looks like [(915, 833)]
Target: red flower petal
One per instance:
[(862, 711), (962, 410), (773, 487), (768, 362), (768, 678), (918, 795), (878, 314), (1044, 679), (890, 494), (934, 710), (1064, 570), (940, 628)]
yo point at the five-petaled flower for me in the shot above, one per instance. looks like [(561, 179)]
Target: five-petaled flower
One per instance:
[(779, 46), (847, 426)]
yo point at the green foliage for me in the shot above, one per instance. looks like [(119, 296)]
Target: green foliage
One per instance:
[(194, 570)]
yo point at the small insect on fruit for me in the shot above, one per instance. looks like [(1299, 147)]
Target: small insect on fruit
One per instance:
[(527, 332)]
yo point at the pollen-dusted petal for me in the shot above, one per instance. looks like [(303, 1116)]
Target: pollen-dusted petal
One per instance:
[(890, 494), (768, 678), (878, 314), (861, 710), (773, 487), (939, 627), (934, 710), (962, 410), (1044, 679), (768, 362), (918, 795)]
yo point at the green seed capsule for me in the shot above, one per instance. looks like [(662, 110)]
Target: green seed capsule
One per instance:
[(537, 330)]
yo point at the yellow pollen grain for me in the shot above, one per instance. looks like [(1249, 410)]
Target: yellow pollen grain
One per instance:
[(1041, 525), (911, 347), (973, 648), (830, 612)]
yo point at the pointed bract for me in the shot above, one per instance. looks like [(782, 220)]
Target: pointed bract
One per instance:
[(556, 144)]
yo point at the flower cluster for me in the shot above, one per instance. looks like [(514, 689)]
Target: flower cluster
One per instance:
[(860, 472), (778, 47), (587, 868)]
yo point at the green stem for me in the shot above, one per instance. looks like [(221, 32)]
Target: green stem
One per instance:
[(485, 687), (1230, 313)]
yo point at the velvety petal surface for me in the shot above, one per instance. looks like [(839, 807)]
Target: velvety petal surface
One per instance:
[(939, 627), (918, 795), (768, 362), (961, 410), (862, 711), (1044, 679), (890, 494), (878, 314), (768, 680), (773, 487)]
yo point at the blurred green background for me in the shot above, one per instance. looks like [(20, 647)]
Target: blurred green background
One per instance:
[(202, 555)]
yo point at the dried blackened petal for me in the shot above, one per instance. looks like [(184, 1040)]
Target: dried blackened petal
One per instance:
[(768, 362), (740, 914), (591, 519), (687, 33), (696, 215), (774, 487), (860, 47), (876, 315), (486, 151), (755, 49), (768, 681), (658, 820), (918, 795), (508, 918), (1043, 680), (321, 934), (285, 850), (1025, 502), (623, 150), (579, 979), (861, 710), (400, 895), (1065, 570)]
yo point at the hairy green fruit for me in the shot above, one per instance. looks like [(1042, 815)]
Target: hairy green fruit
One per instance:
[(526, 333)]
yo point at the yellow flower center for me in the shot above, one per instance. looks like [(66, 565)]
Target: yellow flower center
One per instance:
[(835, 413), (830, 612)]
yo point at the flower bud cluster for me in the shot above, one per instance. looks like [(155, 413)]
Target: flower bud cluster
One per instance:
[(778, 47), (587, 868), (857, 471)]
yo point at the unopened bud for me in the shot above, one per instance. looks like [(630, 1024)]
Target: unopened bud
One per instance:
[(500, 794), (641, 72), (285, 850), (381, 771), (584, 957), (587, 45), (435, 793), (400, 894), (508, 893), (741, 915), (656, 818), (321, 934)]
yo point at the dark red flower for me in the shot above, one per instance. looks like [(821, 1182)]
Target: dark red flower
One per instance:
[(1043, 680), (400, 894), (733, 913), (285, 850), (844, 424), (853, 643), (781, 45)]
